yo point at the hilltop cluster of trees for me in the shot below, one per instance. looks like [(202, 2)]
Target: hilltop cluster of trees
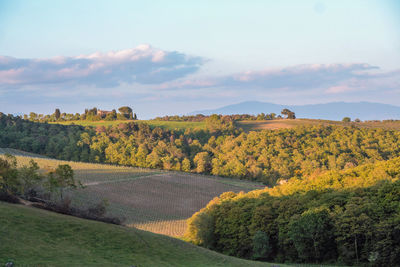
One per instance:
[(346, 217), (94, 114), (286, 113), (265, 156)]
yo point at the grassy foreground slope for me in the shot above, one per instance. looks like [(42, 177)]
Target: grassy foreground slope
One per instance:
[(35, 237)]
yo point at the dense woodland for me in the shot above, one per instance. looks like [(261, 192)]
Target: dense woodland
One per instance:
[(265, 156), (348, 217)]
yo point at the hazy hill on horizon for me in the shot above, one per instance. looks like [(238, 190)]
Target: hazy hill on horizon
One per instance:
[(328, 111)]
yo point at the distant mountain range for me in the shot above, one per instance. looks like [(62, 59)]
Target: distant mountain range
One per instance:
[(328, 111)]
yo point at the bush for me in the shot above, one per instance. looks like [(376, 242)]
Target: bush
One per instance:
[(96, 212)]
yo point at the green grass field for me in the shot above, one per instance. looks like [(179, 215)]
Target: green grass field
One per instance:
[(35, 237), (171, 125)]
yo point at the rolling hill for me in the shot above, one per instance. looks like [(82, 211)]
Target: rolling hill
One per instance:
[(35, 237), (328, 111), (255, 125)]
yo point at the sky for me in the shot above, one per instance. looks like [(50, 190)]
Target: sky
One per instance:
[(174, 57)]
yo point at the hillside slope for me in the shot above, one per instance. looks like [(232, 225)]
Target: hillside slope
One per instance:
[(259, 125), (151, 200), (335, 216), (34, 237)]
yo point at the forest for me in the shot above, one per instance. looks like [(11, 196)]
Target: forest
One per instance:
[(265, 156), (349, 217)]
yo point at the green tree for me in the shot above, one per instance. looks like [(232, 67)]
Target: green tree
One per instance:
[(202, 162), (216, 123), (33, 116), (346, 119), (9, 183), (61, 179), (261, 245), (57, 114), (201, 230), (354, 227), (289, 114), (18, 181), (186, 166), (111, 116), (261, 117), (126, 112), (29, 178), (312, 234)]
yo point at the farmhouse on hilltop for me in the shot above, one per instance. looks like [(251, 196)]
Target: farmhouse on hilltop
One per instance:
[(103, 113)]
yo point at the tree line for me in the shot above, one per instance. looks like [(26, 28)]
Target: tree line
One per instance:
[(24, 182), (265, 156), (50, 190), (286, 113), (94, 114)]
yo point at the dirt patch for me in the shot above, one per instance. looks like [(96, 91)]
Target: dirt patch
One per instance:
[(266, 125)]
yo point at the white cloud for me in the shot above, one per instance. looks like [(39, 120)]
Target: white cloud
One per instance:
[(143, 64)]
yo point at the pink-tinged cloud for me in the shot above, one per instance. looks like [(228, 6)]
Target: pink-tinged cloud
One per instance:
[(321, 78), (339, 89), (302, 76), (143, 64)]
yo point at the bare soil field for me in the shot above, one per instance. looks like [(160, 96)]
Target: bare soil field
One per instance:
[(264, 125), (159, 202)]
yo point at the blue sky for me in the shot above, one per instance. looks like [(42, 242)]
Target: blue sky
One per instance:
[(173, 57)]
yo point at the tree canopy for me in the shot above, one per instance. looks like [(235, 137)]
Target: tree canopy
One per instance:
[(320, 219), (268, 156)]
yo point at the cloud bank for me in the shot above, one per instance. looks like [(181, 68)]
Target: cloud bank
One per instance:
[(159, 83), (303, 76), (294, 78), (142, 64)]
